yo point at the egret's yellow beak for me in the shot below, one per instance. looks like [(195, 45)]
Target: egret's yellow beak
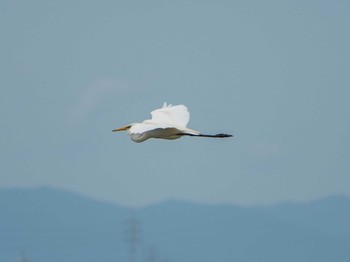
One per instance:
[(121, 128)]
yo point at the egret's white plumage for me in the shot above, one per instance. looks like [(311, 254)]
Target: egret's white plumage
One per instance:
[(178, 115), (168, 122)]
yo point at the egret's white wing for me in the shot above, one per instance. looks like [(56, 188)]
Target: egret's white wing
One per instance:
[(146, 126), (177, 116)]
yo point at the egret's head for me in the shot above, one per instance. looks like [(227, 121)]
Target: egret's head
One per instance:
[(122, 128)]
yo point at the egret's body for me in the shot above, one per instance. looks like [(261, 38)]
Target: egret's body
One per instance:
[(168, 122)]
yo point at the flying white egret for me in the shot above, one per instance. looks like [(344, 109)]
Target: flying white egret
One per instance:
[(168, 122)]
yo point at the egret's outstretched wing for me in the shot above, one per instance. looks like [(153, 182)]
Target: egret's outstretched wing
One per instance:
[(171, 115), (146, 126)]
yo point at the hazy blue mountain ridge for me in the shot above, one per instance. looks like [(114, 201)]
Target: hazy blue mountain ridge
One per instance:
[(54, 225)]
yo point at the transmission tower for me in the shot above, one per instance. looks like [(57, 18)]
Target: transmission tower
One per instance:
[(132, 235)]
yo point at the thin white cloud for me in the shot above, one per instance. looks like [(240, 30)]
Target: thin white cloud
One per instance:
[(94, 95)]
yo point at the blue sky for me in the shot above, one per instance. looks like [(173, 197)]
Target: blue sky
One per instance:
[(273, 73)]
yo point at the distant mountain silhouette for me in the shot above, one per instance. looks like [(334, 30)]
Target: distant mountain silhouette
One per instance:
[(53, 225)]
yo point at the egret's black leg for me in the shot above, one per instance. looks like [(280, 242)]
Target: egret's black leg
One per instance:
[(202, 135)]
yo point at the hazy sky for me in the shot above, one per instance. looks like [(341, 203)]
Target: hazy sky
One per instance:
[(273, 73)]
